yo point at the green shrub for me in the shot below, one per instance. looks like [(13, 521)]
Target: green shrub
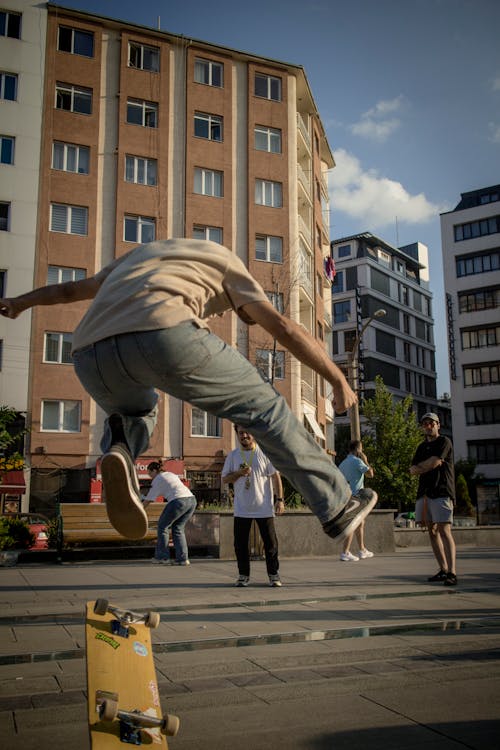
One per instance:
[(15, 534)]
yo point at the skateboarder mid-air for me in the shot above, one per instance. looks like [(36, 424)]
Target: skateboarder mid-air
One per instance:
[(146, 330)]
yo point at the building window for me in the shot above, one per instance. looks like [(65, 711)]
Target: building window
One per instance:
[(4, 216), (68, 219), (3, 283), (61, 416), (7, 149), (139, 229), (486, 374), (70, 158), (385, 343), (143, 57), (208, 182), (264, 364), (208, 126), (76, 41), (141, 171), (204, 424), (8, 86), (10, 24), (214, 234), (472, 264), (344, 251), (57, 348), (349, 340), (484, 451), (406, 323), (276, 300), (380, 282), (342, 311), (73, 99), (481, 337), (143, 113), (473, 229), (489, 198), (407, 351), (268, 193), (208, 72), (481, 299), (269, 248), (267, 139), (487, 412), (60, 274), (338, 282), (268, 87), (417, 301)]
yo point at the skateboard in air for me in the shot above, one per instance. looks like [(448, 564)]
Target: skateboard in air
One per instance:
[(122, 689)]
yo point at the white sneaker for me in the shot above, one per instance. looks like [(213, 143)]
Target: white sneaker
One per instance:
[(364, 554), (160, 560), (180, 562), (275, 580), (348, 557), (242, 581)]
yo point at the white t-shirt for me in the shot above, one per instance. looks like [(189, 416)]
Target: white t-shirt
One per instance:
[(167, 485), (257, 500)]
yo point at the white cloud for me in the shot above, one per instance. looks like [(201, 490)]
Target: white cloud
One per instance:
[(377, 131), (496, 84), (495, 132), (374, 199), (375, 124)]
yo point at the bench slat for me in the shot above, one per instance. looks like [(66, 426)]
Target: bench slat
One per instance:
[(84, 522)]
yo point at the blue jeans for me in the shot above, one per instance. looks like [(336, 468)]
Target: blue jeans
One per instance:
[(190, 363), (174, 516)]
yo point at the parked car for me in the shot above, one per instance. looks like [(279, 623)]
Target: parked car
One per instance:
[(402, 518), (38, 526)]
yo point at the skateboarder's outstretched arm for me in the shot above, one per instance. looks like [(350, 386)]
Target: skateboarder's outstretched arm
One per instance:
[(301, 345), (57, 294)]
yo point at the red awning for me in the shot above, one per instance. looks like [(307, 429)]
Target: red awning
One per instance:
[(12, 483)]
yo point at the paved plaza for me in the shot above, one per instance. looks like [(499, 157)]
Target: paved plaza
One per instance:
[(344, 655)]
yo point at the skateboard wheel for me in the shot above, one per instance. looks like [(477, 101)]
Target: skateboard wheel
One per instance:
[(108, 710), (101, 607), (170, 726), (152, 620)]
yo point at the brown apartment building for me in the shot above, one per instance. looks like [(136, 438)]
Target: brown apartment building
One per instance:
[(148, 135)]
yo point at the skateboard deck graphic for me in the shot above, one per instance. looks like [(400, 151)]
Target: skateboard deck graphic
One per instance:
[(122, 690)]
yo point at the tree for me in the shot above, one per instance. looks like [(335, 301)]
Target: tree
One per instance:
[(10, 438), (390, 443), (467, 467), (464, 504)]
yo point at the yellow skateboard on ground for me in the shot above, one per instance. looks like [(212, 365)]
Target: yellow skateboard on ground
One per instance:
[(122, 690)]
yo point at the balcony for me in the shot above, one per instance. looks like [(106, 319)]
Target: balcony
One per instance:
[(303, 130)]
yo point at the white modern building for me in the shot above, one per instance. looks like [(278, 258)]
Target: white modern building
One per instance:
[(470, 236), (382, 302), (23, 26)]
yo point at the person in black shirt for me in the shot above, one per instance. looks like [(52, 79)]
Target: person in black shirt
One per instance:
[(433, 464)]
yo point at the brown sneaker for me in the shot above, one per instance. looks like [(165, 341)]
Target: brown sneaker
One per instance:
[(123, 503)]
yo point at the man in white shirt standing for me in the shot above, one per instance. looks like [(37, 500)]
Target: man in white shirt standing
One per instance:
[(254, 480)]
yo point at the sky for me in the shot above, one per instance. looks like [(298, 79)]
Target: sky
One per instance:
[(408, 92)]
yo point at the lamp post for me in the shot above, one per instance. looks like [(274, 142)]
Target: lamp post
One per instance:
[(353, 374)]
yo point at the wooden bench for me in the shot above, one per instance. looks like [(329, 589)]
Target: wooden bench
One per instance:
[(87, 523)]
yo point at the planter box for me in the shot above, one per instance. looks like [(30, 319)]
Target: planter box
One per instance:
[(300, 535)]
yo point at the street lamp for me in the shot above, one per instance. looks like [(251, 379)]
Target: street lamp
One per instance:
[(353, 374)]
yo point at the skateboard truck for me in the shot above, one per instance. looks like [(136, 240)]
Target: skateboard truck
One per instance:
[(131, 722), (125, 618)]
